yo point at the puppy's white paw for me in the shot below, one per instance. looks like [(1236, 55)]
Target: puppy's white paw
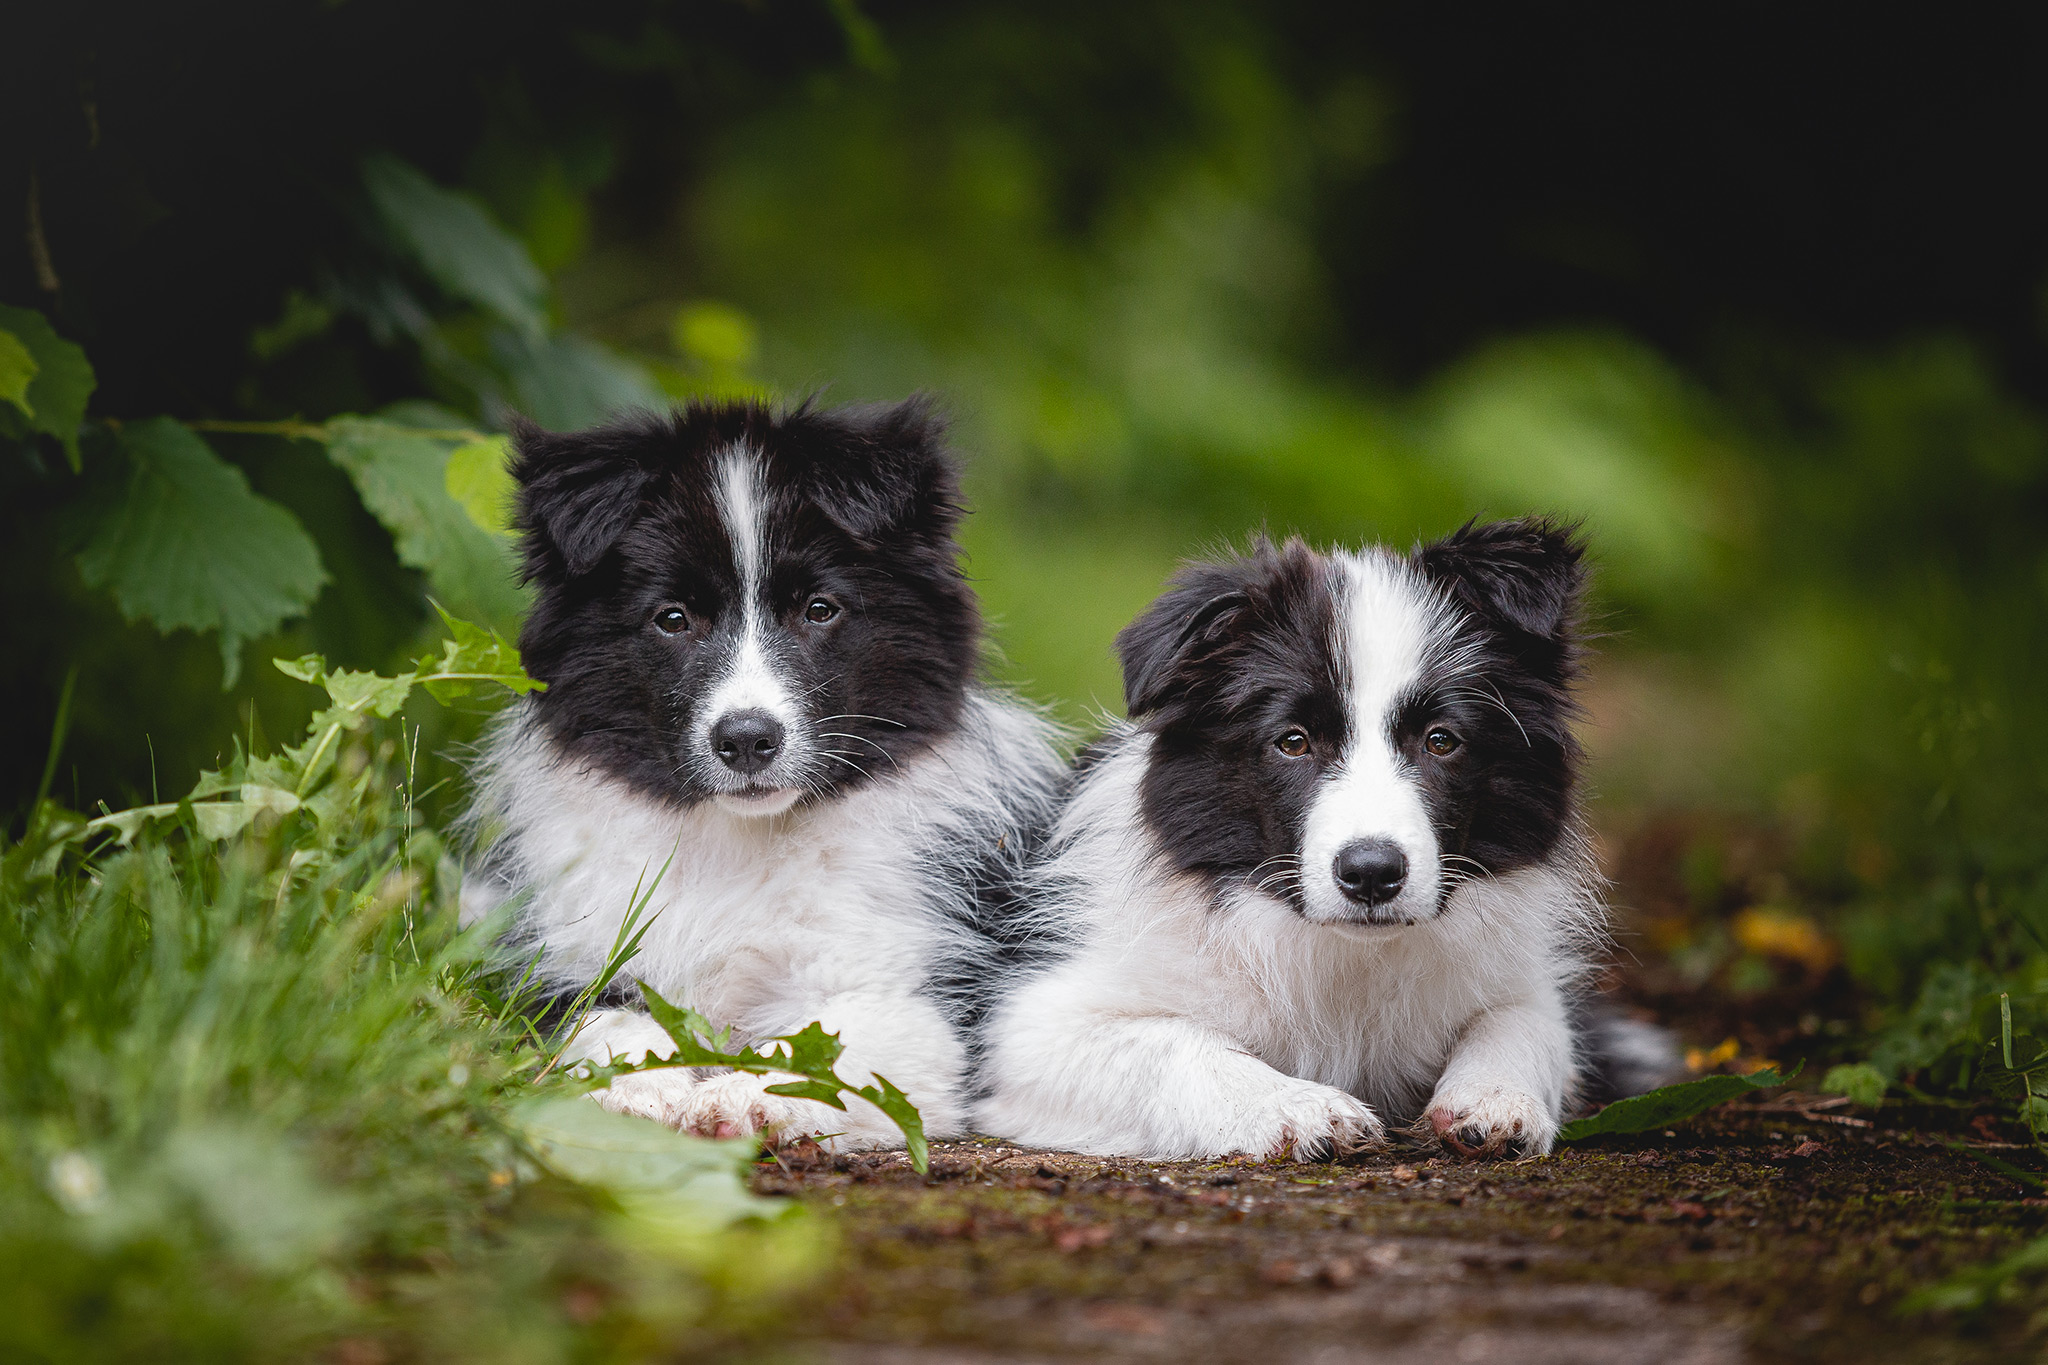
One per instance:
[(1307, 1121), (738, 1104), (1492, 1121), (661, 1095)]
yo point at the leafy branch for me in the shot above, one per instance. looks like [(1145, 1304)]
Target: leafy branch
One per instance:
[(809, 1054), (225, 803), (456, 287)]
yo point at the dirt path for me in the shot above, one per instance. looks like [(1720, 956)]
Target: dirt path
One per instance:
[(1747, 1235)]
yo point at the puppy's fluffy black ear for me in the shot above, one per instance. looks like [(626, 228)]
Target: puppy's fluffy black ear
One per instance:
[(883, 472), (578, 492), (1164, 647), (1526, 577)]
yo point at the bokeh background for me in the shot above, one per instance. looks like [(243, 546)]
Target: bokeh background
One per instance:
[(1756, 292)]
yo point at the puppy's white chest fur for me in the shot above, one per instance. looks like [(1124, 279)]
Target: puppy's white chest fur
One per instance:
[(745, 916)]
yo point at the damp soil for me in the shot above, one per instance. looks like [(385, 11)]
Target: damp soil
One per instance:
[(1772, 1231)]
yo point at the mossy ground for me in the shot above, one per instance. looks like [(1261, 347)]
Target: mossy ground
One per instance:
[(1770, 1231)]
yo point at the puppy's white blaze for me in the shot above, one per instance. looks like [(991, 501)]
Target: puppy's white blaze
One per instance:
[(751, 682), (1386, 626), (741, 499)]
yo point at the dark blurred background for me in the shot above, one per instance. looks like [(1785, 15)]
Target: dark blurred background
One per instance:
[(1757, 291)]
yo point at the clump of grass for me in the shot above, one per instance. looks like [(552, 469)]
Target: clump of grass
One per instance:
[(260, 1097)]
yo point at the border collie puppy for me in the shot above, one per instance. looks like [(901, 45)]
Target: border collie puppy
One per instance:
[(760, 653), (1330, 873)]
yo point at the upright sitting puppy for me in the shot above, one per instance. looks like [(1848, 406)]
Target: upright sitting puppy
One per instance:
[(759, 653), (1331, 872)]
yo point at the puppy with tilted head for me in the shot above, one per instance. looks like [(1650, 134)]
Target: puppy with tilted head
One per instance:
[(760, 659), (1331, 874)]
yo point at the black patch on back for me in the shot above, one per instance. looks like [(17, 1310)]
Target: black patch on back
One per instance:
[(1009, 942)]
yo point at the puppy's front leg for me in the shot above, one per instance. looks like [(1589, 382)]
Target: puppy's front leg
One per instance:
[(1158, 1086), (1503, 1088)]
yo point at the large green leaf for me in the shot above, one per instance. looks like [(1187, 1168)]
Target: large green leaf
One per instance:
[(1671, 1104), (191, 547), (62, 383), (459, 245), (402, 475)]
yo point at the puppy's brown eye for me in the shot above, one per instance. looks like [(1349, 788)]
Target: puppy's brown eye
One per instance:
[(820, 611), (671, 620), (1441, 741), (1293, 743)]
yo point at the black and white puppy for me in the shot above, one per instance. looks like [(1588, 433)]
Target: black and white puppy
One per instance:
[(760, 654), (1330, 873)]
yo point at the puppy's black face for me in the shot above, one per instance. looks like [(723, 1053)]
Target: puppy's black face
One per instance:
[(1359, 734), (746, 607)]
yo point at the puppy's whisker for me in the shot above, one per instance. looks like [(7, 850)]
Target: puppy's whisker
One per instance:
[(858, 739), (819, 685), (1479, 869), (855, 715), (842, 758)]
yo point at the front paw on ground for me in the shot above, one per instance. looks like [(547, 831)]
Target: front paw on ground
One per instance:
[(1468, 1135), (1320, 1122), (738, 1105), (662, 1095)]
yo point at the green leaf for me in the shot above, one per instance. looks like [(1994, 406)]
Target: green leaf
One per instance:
[(215, 819), (812, 1050), (126, 824), (1672, 1104), (191, 547), (402, 476), (367, 694), (824, 1092), (685, 1027), (1860, 1081), (478, 480), (17, 369), (893, 1102), (459, 245), (472, 657), (306, 668), (63, 379), (653, 1172), (226, 819)]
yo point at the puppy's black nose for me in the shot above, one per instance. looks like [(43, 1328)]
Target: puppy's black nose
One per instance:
[(746, 741), (1370, 871)]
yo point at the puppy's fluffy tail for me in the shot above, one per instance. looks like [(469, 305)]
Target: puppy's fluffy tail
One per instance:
[(1620, 1056)]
